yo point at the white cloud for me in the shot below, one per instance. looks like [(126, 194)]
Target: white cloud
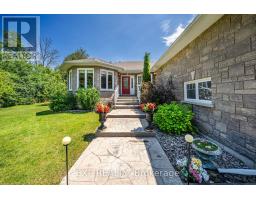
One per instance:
[(168, 40), (165, 25)]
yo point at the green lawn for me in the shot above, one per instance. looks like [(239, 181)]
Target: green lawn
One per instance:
[(30, 143)]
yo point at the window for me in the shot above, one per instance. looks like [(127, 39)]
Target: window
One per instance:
[(106, 80), (198, 91), (70, 80), (85, 78), (139, 80)]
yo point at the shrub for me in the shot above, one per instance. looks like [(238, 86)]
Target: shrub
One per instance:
[(174, 118), (71, 101), (88, 98), (146, 92), (162, 92), (59, 102), (7, 91)]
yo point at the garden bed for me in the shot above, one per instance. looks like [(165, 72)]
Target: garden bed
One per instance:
[(175, 148)]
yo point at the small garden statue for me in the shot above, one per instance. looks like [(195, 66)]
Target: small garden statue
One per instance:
[(102, 110), (149, 108)]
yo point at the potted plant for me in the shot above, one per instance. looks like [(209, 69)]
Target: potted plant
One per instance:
[(149, 109), (102, 110)]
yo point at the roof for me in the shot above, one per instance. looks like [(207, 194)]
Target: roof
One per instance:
[(89, 62), (193, 30), (121, 66)]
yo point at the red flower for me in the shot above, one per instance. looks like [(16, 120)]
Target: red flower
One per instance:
[(151, 106), (106, 109), (142, 106)]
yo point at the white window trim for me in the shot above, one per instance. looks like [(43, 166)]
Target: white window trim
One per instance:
[(85, 78), (197, 101), (113, 81), (70, 80), (138, 80)]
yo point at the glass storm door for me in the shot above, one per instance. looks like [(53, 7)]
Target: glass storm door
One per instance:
[(125, 85)]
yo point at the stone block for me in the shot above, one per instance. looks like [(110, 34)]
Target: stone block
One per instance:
[(239, 117), (252, 91), (247, 77), (239, 85), (233, 124), (225, 106), (216, 114), (246, 111), (225, 97), (251, 84), (249, 70), (245, 32), (236, 70), (249, 101), (236, 97), (227, 63), (238, 138), (246, 57), (225, 88), (248, 128), (250, 63), (221, 127)]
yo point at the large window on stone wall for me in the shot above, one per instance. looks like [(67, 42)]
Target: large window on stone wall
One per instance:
[(198, 91), (106, 80), (85, 78)]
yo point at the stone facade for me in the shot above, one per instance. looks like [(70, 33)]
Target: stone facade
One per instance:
[(226, 52)]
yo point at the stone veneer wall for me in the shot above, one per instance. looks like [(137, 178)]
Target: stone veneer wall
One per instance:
[(226, 52)]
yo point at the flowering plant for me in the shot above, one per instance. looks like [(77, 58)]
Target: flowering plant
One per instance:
[(101, 108), (149, 107), (196, 171)]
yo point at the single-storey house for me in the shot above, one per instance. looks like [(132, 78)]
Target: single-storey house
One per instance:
[(120, 78), (212, 67)]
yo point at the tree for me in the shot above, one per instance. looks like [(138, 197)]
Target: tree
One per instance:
[(48, 55), (78, 54), (146, 69), (7, 92)]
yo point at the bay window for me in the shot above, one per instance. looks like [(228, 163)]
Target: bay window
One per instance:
[(198, 91), (85, 78), (106, 80)]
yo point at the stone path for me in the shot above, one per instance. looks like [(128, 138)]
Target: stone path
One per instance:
[(123, 160), (124, 153)]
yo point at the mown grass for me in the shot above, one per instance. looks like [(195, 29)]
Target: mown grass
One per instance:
[(30, 143)]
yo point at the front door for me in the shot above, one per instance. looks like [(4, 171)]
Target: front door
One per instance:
[(125, 85)]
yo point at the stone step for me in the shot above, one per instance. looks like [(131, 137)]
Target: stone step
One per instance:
[(127, 97), (127, 106), (124, 127), (126, 113), (127, 100), (127, 103)]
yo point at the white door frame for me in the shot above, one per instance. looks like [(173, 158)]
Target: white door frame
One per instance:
[(132, 85)]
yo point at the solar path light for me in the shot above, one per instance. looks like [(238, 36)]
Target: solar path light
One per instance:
[(66, 141)]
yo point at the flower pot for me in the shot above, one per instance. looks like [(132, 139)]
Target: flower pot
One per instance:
[(149, 117), (102, 119)]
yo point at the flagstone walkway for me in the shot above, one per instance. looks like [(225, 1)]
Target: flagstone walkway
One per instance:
[(121, 159)]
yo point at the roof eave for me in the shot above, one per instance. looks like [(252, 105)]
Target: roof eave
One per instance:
[(194, 29)]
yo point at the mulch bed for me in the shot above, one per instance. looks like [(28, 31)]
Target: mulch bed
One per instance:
[(175, 148)]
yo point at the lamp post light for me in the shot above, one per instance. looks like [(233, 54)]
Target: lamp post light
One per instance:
[(66, 141), (189, 139)]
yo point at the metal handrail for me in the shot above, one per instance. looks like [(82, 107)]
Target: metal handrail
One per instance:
[(138, 92), (116, 94)]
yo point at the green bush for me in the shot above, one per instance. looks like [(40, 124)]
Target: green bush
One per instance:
[(59, 102), (174, 118), (7, 91), (88, 98), (71, 101)]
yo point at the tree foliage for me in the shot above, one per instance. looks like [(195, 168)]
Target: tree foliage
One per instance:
[(78, 54), (146, 69), (30, 82)]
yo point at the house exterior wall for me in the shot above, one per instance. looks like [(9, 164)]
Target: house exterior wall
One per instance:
[(226, 52), (104, 94)]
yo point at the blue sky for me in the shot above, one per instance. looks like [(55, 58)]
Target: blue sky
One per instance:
[(113, 37)]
